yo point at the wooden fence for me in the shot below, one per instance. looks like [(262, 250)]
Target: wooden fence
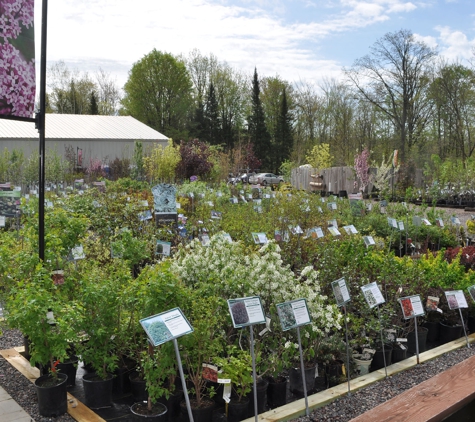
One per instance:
[(337, 179)]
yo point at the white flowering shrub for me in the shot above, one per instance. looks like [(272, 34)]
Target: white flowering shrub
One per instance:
[(229, 270)]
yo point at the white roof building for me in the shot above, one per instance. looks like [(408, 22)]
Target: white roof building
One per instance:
[(101, 137)]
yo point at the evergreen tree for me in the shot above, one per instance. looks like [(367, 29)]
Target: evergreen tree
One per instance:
[(211, 117), (284, 137), (93, 108), (197, 124), (258, 133)]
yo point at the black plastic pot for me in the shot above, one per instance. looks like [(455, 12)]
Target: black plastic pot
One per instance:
[(173, 404), (138, 387), (69, 368), (398, 354), (262, 386), (296, 381), (238, 410), (378, 358), (97, 391), (411, 340), (448, 333), (200, 414), (334, 373), (277, 392), (433, 328), (140, 412), (52, 396), (121, 384)]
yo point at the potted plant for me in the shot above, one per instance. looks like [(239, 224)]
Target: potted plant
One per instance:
[(155, 290), (100, 295), (237, 366), (36, 309), (203, 345), (159, 372)]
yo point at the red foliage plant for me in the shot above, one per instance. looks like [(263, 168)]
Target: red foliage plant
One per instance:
[(467, 256)]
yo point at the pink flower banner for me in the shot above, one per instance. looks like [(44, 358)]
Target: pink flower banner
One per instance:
[(17, 59)]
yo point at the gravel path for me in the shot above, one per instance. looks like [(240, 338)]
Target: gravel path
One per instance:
[(19, 387), (347, 408)]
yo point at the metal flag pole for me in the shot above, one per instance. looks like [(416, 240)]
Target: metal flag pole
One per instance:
[(41, 128)]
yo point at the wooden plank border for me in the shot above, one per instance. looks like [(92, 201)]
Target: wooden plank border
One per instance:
[(76, 409), (297, 408)]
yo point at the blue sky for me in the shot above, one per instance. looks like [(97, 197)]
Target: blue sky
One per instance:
[(296, 39)]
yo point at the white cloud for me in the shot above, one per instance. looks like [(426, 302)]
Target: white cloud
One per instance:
[(428, 40), (454, 44), (253, 33)]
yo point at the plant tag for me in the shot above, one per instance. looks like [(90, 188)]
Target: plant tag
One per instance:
[(440, 310), (401, 340), (224, 380), (227, 392), (263, 331), (402, 346), (112, 336), (210, 372), (343, 369), (50, 317)]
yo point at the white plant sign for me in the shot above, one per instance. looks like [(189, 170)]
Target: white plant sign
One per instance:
[(246, 311), (456, 299), (411, 306), (372, 294), (293, 314), (340, 290), (166, 326)]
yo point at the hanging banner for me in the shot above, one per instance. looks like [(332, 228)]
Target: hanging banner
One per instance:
[(17, 60)]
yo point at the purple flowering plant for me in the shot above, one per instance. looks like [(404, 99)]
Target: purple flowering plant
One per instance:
[(17, 58)]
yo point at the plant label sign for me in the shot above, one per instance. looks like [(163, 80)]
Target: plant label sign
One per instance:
[(293, 314), (400, 225), (78, 252), (259, 238), (334, 231), (440, 222), (471, 292), (166, 326), (372, 294), (411, 306), (246, 311), (456, 299), (432, 303), (315, 233), (163, 248), (340, 290), (351, 229), (392, 222), (369, 241)]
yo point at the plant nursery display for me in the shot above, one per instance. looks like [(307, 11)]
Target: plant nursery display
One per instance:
[(237, 264)]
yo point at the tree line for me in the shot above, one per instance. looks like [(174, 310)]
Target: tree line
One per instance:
[(400, 96)]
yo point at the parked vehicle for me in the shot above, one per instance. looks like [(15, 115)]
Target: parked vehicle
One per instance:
[(265, 179)]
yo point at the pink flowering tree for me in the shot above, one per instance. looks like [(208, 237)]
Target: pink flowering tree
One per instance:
[(362, 169), (95, 169), (17, 61)]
